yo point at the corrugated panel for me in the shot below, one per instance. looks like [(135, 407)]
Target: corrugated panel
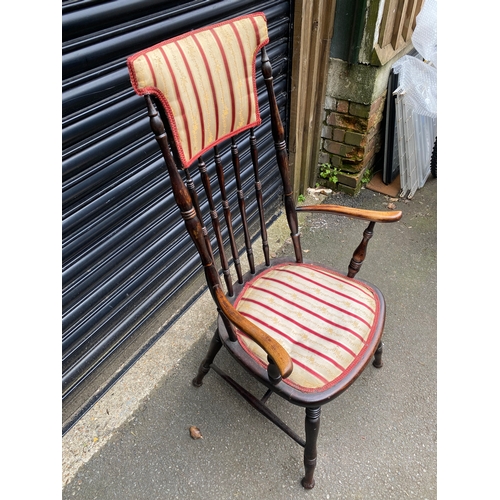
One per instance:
[(125, 254)]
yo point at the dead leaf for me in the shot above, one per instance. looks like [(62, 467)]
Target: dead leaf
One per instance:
[(324, 191), (195, 432), (391, 206)]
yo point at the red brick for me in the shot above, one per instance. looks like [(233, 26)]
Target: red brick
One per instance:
[(326, 132), (354, 138), (376, 112), (348, 122), (378, 103), (361, 110), (338, 135), (333, 147), (330, 119), (343, 106)]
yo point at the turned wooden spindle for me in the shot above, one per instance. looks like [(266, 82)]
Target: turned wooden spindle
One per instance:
[(216, 226), (282, 156), (310, 450), (360, 252), (258, 195), (273, 372), (194, 197), (227, 213), (182, 197), (377, 362), (241, 203)]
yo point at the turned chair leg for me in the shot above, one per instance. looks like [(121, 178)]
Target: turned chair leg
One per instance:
[(378, 363), (310, 451), (213, 349)]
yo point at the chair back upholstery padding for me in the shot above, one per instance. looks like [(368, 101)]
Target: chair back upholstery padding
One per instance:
[(323, 319), (205, 80)]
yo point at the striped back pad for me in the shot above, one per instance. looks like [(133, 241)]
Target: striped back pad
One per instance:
[(205, 80)]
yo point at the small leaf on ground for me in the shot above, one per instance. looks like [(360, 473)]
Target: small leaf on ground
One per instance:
[(195, 432)]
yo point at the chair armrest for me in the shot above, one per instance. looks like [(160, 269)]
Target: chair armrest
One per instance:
[(275, 351), (357, 213)]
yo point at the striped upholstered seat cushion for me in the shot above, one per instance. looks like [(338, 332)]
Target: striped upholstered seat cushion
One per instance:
[(205, 80), (323, 319)]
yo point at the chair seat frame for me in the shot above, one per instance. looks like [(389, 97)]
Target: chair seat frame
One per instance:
[(288, 392), (311, 401)]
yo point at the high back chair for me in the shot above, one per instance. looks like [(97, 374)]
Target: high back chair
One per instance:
[(303, 330)]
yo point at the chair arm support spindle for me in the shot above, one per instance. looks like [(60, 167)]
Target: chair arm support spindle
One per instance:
[(360, 252), (372, 216), (273, 372)]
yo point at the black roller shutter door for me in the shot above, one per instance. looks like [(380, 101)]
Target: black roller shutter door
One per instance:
[(125, 254)]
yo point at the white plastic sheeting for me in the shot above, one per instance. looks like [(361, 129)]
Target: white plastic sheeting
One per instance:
[(415, 134), (416, 103)]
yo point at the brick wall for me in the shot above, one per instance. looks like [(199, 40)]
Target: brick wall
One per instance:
[(351, 137)]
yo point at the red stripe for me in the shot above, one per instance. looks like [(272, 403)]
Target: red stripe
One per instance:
[(228, 74), (343, 280), (317, 299), (256, 29), (178, 95), (259, 45), (243, 55), (198, 103), (319, 316), (293, 341), (303, 327), (212, 86), (151, 69), (311, 371), (328, 288)]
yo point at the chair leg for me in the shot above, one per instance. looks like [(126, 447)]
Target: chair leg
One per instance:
[(310, 451), (213, 349), (378, 363)]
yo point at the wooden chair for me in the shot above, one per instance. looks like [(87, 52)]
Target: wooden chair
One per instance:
[(304, 331)]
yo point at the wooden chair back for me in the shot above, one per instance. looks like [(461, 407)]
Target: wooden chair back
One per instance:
[(201, 92)]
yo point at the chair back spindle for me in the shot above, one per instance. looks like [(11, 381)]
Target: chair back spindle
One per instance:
[(183, 197), (227, 213), (281, 155), (241, 203), (258, 194), (194, 198), (216, 226)]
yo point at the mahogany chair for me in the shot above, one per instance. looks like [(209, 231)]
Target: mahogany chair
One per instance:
[(303, 330)]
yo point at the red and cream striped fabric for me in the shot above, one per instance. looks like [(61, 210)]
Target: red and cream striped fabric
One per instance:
[(323, 319), (205, 80)]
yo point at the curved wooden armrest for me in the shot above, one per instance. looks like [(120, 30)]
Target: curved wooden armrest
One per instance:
[(358, 213), (277, 353)]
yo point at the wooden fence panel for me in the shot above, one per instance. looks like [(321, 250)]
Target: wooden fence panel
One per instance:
[(396, 28)]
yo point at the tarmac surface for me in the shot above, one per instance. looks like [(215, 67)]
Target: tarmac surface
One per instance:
[(377, 440)]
